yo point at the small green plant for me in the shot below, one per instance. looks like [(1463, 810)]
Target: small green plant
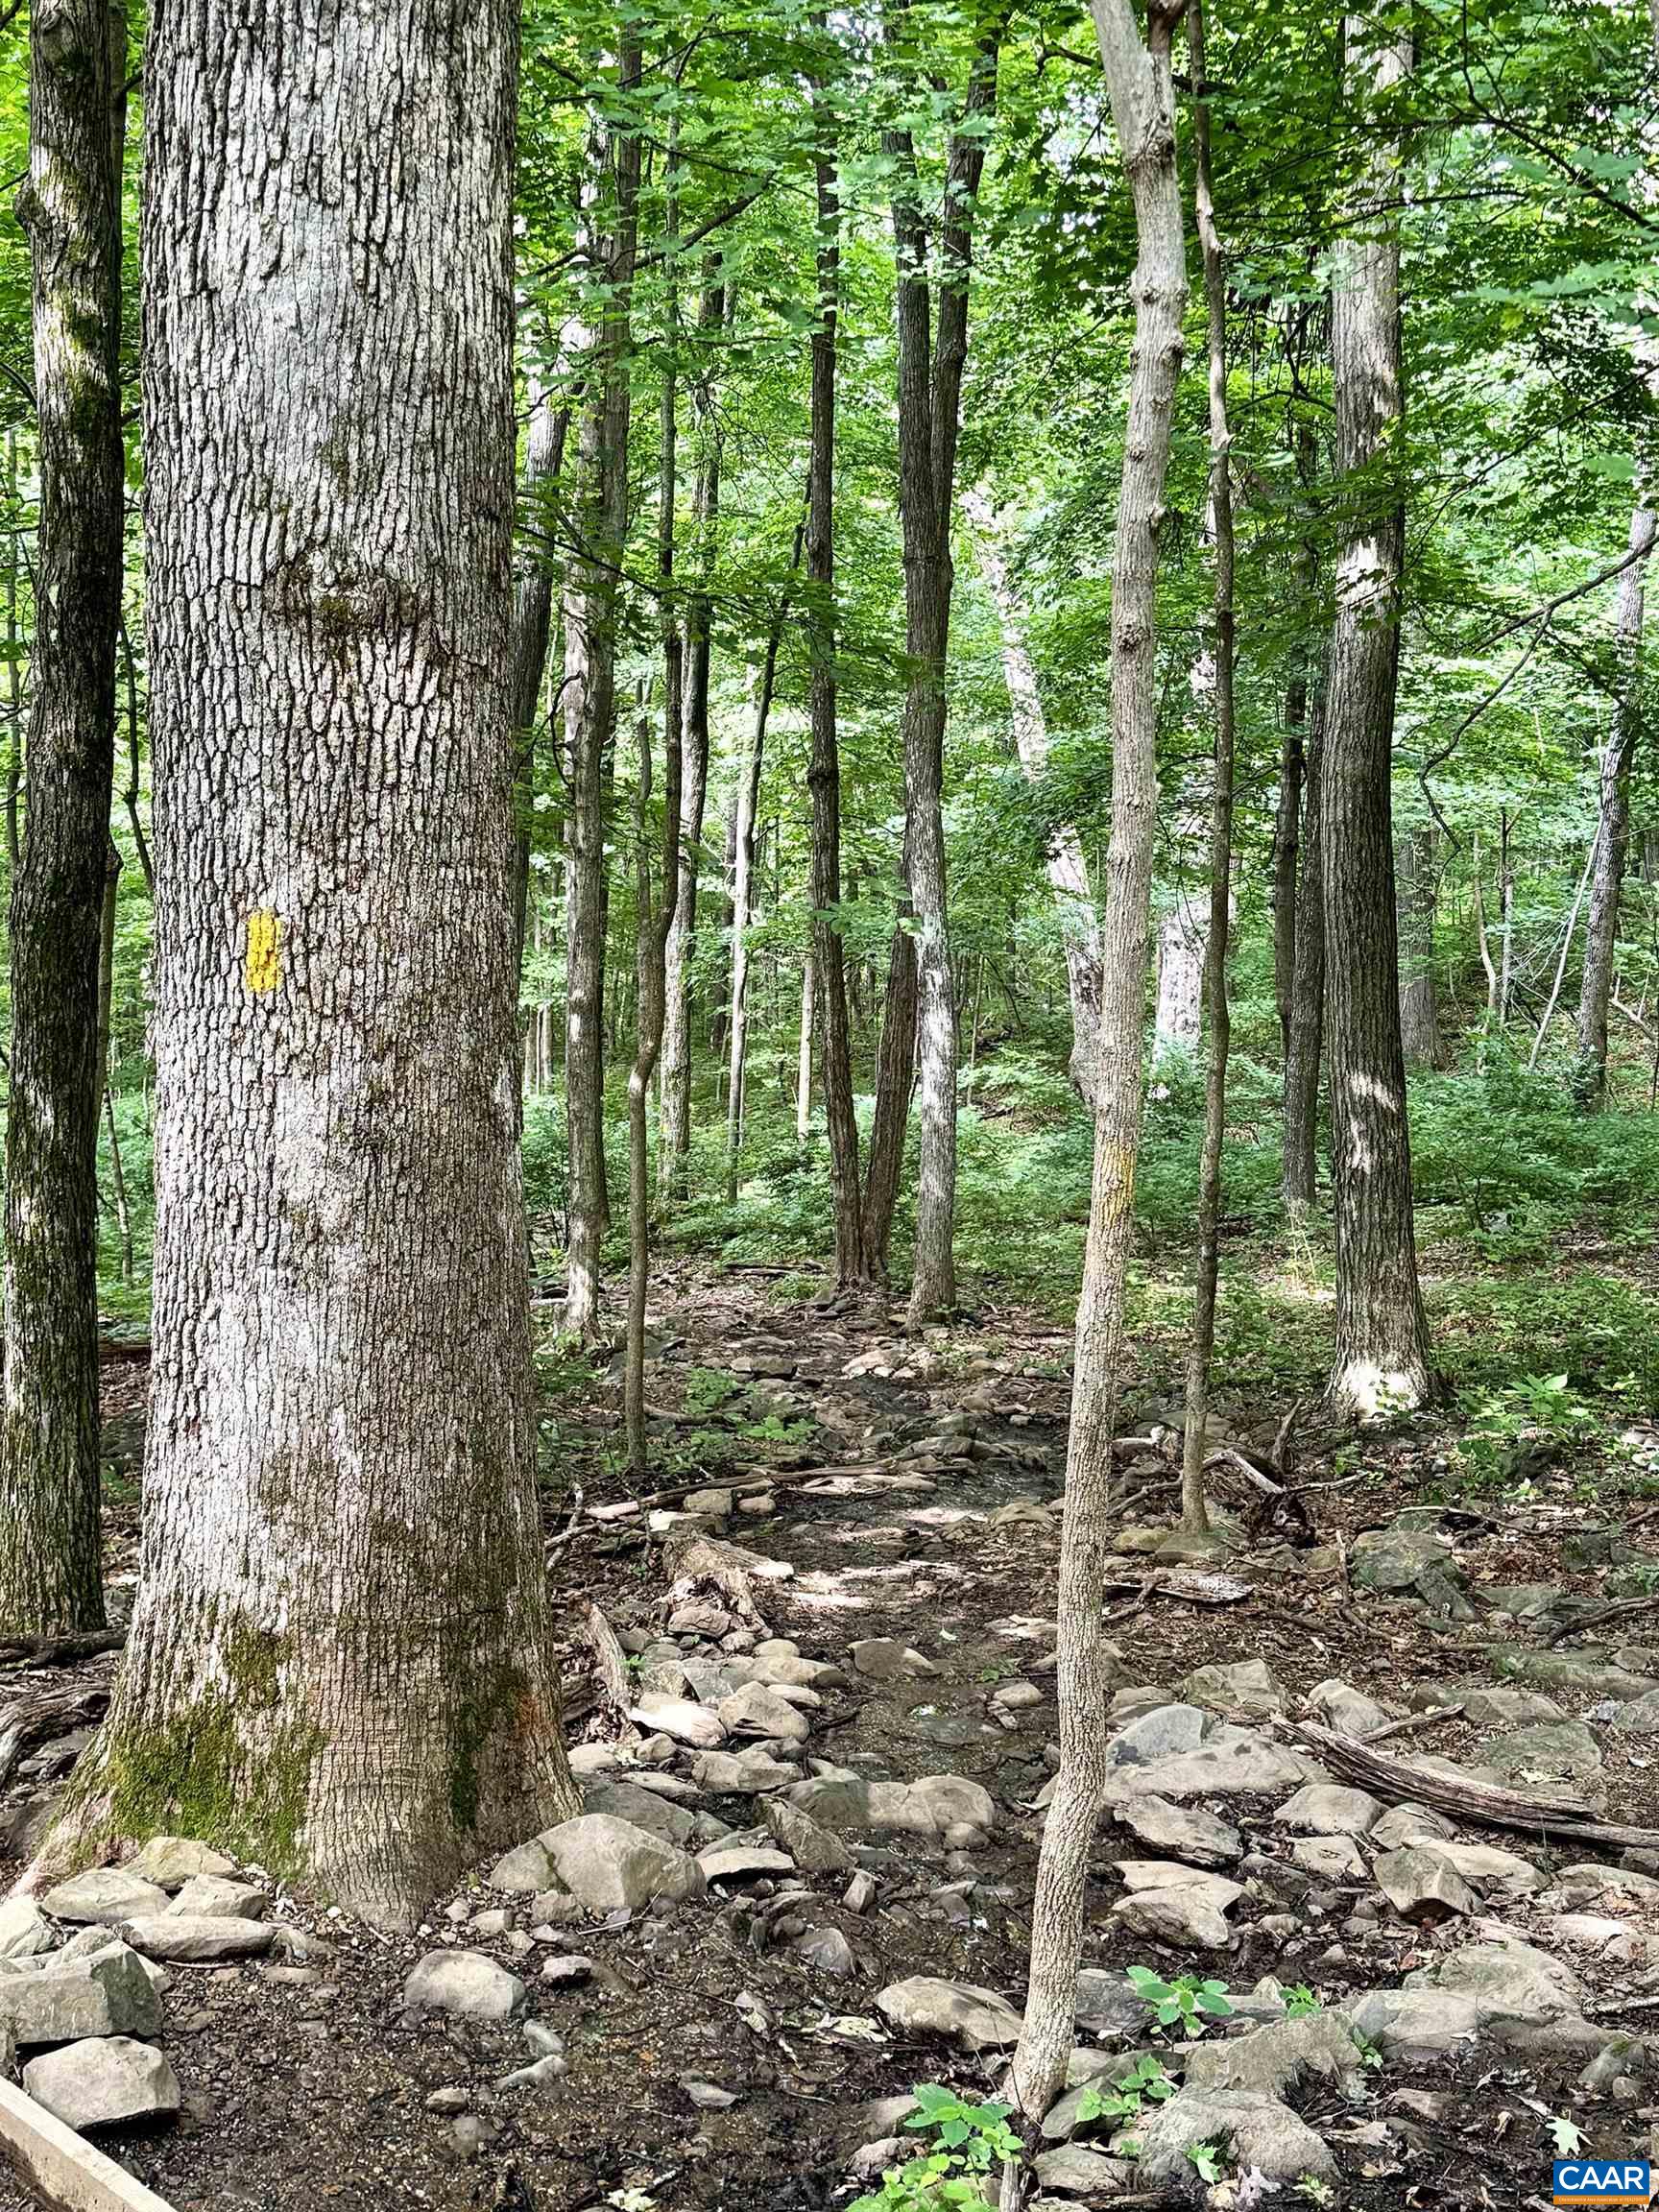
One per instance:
[(1188, 2002), (1208, 2158), (708, 1391), (1369, 2054), (968, 2141), (1312, 2191), (1123, 2102), (1300, 2001)]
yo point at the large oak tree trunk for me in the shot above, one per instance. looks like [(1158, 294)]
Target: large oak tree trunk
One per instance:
[(340, 1663), (824, 774), (1142, 91), (1613, 826), (1382, 1352), (71, 209), (611, 229)]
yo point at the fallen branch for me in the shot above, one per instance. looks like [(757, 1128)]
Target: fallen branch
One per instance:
[(1462, 1796), (1412, 1722), (1617, 1609), (60, 1650)]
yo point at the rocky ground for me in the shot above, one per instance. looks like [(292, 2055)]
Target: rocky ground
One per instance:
[(814, 1724)]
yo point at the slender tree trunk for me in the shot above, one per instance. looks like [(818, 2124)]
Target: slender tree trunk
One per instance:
[(1143, 97), (1307, 991), (1505, 921), (932, 353), (1418, 890), (803, 1056), (1382, 1356), (747, 799), (894, 1079), (1292, 768), (1068, 869), (1202, 1345), (1549, 1012), (674, 1130), (71, 209), (1483, 939), (118, 1188), (340, 1663), (611, 227), (1613, 826), (107, 958), (533, 605), (135, 779), (1183, 934), (824, 775), (13, 670)]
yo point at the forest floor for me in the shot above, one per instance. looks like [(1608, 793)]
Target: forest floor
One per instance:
[(729, 2054)]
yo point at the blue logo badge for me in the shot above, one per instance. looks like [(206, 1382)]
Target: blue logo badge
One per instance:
[(1603, 2181)]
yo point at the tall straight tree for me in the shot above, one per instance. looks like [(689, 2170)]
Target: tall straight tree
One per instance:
[(71, 209), (1202, 1343), (610, 234), (533, 600), (1613, 823), (1139, 82), (824, 774), (932, 315), (340, 1662), (1382, 1354)]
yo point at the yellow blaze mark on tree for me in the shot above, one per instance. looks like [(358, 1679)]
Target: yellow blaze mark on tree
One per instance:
[(263, 968)]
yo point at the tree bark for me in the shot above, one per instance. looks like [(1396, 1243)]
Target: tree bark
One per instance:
[(674, 1129), (932, 353), (340, 1663), (1302, 1058), (1292, 767), (1067, 867), (804, 1054), (1142, 98), (824, 774), (610, 230), (1418, 890), (745, 803), (71, 209), (1613, 825), (1183, 934), (1381, 1358), (1202, 1344), (533, 605)]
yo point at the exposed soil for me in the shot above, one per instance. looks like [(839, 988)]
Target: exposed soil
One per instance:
[(305, 2090)]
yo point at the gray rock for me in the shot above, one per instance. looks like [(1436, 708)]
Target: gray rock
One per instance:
[(1635, 1716), (749, 1775), (1422, 1885), (23, 1929), (106, 1895), (1328, 1809), (1499, 1706), (1249, 1686), (1076, 2171), (755, 1710), (1403, 1825), (1184, 1918), (1586, 1881), (1558, 1750), (1492, 1872), (1166, 1730), (1339, 1706), (613, 1867), (827, 1949), (1230, 1762), (543, 2074), (1275, 2061), (659, 1816), (1586, 1673), (685, 1722), (743, 1862), (569, 1970), (220, 1899), (106, 1992), (859, 1805), (193, 1939), (973, 2018), (953, 1801), (885, 1660), (524, 1869), (172, 1861), (103, 2084), (814, 1848), (465, 1983), (1181, 1832), (1259, 2130), (1396, 1558), (1330, 1857), (1414, 2026), (1509, 1982), (1107, 2007)]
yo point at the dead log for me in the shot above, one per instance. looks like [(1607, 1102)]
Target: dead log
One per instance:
[(60, 1650), (610, 1663), (1462, 1798), (38, 1718)]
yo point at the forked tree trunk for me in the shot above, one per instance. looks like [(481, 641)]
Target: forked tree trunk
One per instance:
[(71, 209), (610, 230), (674, 1120), (1202, 1344), (1613, 824), (1143, 97), (932, 353), (824, 775), (1068, 869), (1382, 1354), (1419, 891), (340, 1663)]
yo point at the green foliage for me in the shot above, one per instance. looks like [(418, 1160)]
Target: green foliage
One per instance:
[(1209, 2160), (1190, 2002), (1301, 2002), (1123, 2101), (969, 2140)]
